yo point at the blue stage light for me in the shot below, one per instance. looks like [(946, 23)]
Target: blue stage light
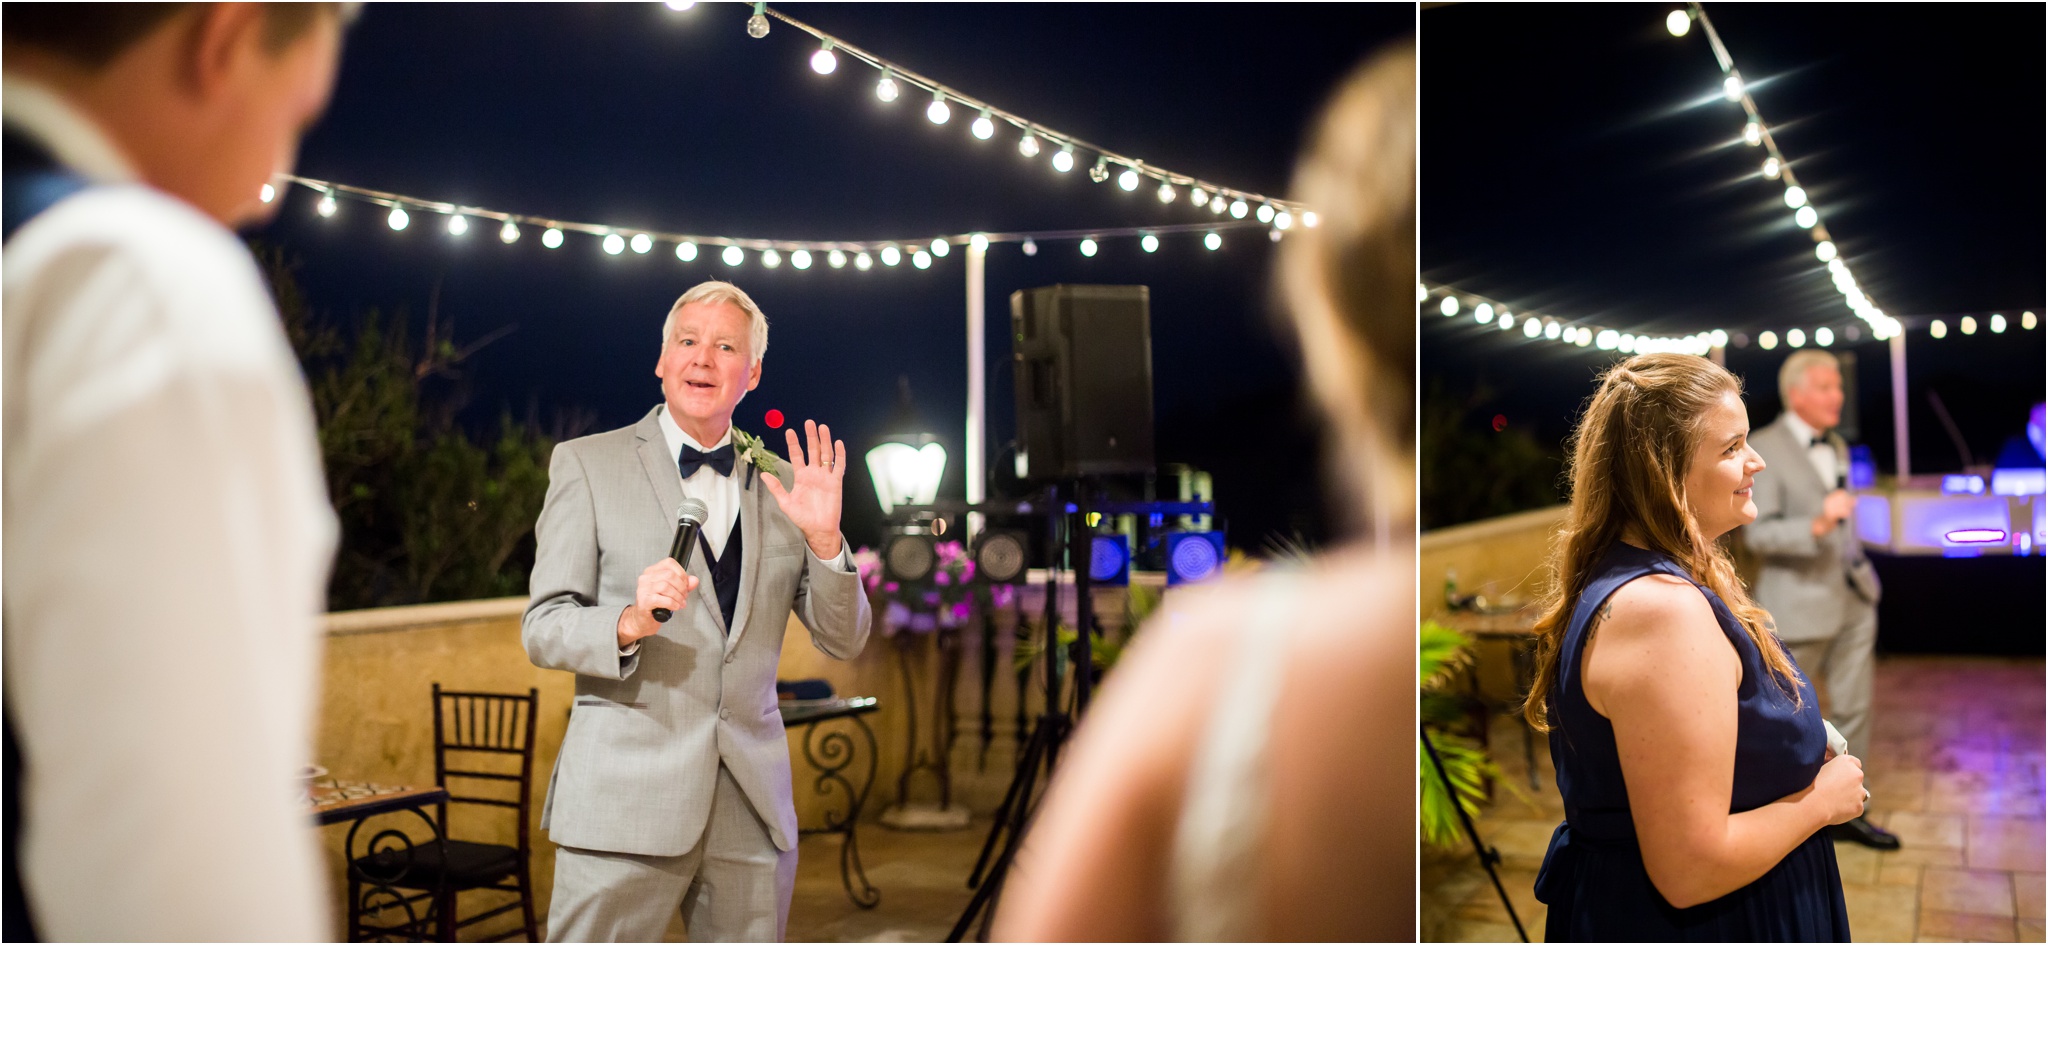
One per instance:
[(1109, 560), (1193, 557)]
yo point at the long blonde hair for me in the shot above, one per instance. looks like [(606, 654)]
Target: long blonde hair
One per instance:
[(1347, 283), (1629, 458)]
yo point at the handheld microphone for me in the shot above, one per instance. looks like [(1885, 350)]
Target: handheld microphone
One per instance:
[(690, 517)]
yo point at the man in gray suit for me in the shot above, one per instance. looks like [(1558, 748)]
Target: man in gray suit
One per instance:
[(1814, 578), (672, 788)]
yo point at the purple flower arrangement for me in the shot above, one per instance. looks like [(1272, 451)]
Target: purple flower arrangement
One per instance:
[(943, 600)]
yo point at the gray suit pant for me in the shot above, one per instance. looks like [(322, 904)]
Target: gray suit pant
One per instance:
[(1844, 664), (734, 886)]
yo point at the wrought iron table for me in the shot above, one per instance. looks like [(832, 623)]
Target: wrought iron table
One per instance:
[(1517, 629), (347, 802), (831, 751)]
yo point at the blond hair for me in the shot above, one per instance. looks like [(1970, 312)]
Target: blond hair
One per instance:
[(719, 291), (1346, 282), (1629, 457)]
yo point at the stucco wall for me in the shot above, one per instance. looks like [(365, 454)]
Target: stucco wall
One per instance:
[(1502, 557)]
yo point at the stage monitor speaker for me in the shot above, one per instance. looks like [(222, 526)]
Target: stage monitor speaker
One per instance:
[(1083, 377)]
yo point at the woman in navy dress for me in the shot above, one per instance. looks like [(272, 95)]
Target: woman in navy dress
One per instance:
[(1690, 752)]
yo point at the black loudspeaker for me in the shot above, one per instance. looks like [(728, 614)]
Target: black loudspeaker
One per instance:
[(1083, 358), (1001, 556)]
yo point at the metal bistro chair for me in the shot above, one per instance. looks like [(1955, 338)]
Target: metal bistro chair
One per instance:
[(485, 735)]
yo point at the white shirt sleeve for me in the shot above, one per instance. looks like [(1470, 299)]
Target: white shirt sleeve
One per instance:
[(168, 543)]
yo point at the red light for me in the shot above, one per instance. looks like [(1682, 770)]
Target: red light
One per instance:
[(774, 419), (1500, 421)]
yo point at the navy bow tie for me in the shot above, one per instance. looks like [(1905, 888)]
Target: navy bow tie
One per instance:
[(692, 459)]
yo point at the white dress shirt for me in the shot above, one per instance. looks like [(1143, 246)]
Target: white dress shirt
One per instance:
[(168, 540), (1822, 455), (720, 493)]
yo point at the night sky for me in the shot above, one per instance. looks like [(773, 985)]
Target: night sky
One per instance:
[(636, 115), (1579, 160)]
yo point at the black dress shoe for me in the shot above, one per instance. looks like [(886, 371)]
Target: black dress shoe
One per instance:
[(1863, 832)]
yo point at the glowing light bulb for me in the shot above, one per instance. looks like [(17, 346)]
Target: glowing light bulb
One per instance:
[(733, 256), (680, 5), (1998, 324), (1678, 23), (552, 238), (1217, 203), (940, 248), (1806, 217), (1282, 220), (1166, 193), (823, 61), (1772, 168), (1823, 337), (686, 251), (1449, 305), (1063, 160), (1731, 88), (1936, 330), (642, 243), (862, 262), (1628, 342), (614, 243), (757, 26), (1532, 327), (1551, 330), (457, 225), (890, 255), (1238, 209), (398, 219), (1482, 313), (983, 127), (1607, 340), (770, 259), (1719, 339), (1571, 333), (1215, 242), (1030, 248), (1087, 248), (1028, 146), (1795, 338), (1308, 219), (1795, 197), (1273, 234), (267, 193), (1968, 325), (1265, 212), (327, 206), (921, 259), (1128, 180), (938, 111), (1148, 243), (508, 232), (836, 259), (1198, 196), (1824, 250), (885, 88), (978, 243), (1753, 133), (2027, 321), (1506, 321), (1767, 341)]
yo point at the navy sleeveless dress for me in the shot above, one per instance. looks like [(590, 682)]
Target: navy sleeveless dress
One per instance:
[(1593, 878)]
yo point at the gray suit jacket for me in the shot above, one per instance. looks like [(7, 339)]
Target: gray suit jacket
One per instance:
[(1808, 583), (648, 731)]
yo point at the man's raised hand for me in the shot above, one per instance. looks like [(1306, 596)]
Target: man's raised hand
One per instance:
[(812, 499)]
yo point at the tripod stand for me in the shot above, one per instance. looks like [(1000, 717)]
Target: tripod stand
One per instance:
[(1049, 736), (1489, 857)]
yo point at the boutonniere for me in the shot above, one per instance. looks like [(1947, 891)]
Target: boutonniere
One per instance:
[(755, 452)]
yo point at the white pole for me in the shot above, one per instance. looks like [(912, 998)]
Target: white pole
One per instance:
[(1899, 439), (977, 383)]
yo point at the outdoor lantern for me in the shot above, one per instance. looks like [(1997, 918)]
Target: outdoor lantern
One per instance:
[(906, 466)]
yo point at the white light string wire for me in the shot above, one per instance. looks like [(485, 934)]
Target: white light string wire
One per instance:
[(618, 239), (1130, 171)]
